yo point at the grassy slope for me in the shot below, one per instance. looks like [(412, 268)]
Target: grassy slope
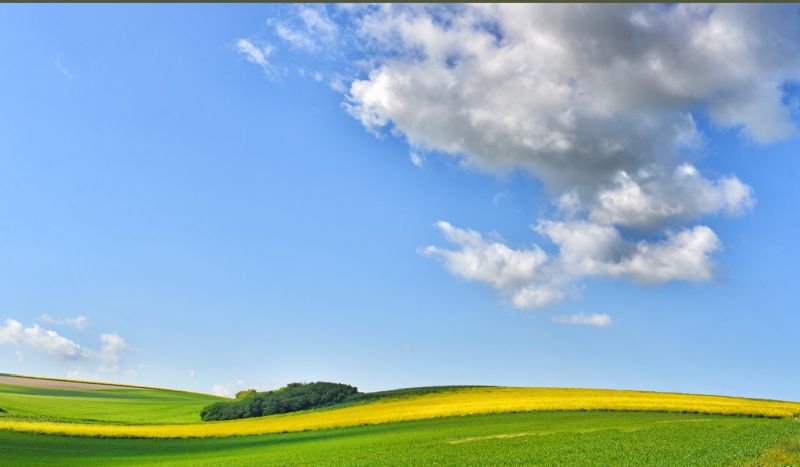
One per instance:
[(545, 438), (124, 405)]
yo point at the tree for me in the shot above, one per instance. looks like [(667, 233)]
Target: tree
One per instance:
[(293, 397)]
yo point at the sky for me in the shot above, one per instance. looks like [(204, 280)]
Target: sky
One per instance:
[(219, 197)]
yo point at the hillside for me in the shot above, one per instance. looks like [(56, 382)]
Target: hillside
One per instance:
[(39, 399)]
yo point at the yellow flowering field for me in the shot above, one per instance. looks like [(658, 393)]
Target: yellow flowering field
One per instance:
[(468, 401)]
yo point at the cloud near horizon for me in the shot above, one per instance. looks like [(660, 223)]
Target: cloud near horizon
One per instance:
[(108, 358), (599, 102), (79, 322), (227, 389), (600, 320)]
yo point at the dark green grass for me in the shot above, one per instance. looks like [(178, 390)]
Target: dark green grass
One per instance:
[(125, 405), (545, 438), (410, 392), (121, 393)]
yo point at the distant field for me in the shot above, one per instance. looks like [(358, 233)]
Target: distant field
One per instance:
[(544, 438), (43, 399), (53, 383)]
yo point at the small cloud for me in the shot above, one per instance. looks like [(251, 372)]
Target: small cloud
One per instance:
[(499, 197), (79, 322), (600, 320), (63, 70), (110, 355), (416, 159), (190, 372), (256, 55), (311, 30), (338, 84), (47, 319), (227, 389), (296, 38)]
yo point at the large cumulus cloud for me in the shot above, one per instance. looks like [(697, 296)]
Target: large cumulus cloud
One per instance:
[(600, 103)]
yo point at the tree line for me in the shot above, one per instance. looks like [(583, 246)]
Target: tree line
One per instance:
[(293, 397)]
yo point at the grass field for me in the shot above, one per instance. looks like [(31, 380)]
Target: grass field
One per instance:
[(123, 405), (420, 426), (545, 438)]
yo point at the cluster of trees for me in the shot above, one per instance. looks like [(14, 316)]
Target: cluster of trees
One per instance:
[(294, 397)]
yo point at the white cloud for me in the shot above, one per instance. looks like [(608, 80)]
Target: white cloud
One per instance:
[(36, 337), (108, 358), (537, 295), (588, 249), (252, 53), (599, 320), (311, 31), (317, 21), (416, 159), (532, 279), (110, 355), (491, 262), (499, 197), (11, 333), (585, 248), (524, 275), (227, 389), (256, 55), (575, 94), (685, 255), (654, 200), (190, 372), (79, 322), (297, 38)]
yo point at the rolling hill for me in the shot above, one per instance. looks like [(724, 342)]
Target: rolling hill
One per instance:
[(106, 424)]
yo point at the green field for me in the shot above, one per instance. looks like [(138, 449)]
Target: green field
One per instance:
[(547, 438), (124, 405), (528, 438)]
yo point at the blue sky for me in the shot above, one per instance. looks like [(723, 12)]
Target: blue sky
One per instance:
[(224, 218)]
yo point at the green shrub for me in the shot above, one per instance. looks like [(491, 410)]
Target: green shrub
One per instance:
[(294, 397), (245, 393)]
